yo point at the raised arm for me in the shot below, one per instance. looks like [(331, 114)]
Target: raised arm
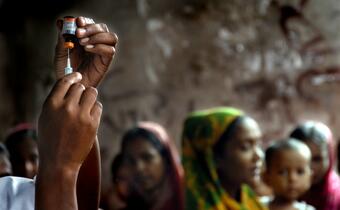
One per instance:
[(67, 131), (91, 57)]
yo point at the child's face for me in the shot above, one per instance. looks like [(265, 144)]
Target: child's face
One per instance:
[(122, 182), (289, 174)]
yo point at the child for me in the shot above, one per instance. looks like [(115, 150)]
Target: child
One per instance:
[(288, 173), (115, 197)]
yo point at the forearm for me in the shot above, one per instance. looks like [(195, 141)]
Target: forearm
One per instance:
[(88, 185), (56, 189)]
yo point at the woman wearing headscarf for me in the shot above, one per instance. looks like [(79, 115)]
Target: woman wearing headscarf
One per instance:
[(221, 155), (325, 191), (155, 167)]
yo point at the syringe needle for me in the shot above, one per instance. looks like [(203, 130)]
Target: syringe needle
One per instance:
[(68, 68)]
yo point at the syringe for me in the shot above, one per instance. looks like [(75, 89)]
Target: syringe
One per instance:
[(68, 68), (69, 34)]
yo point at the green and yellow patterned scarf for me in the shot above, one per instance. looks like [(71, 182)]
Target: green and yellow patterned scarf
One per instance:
[(204, 191)]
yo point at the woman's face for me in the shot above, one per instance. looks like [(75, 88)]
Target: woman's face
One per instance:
[(320, 160), (241, 160), (146, 164)]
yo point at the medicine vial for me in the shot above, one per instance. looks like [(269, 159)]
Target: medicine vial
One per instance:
[(69, 34), (69, 31)]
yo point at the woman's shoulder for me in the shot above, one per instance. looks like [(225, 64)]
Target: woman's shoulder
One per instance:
[(16, 193)]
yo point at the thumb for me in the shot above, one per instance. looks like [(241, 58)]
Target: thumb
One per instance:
[(60, 40), (59, 24), (60, 54)]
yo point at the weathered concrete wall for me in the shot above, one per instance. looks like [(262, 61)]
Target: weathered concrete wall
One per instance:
[(178, 56)]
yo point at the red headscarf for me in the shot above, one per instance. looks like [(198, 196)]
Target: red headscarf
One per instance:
[(326, 195), (176, 176)]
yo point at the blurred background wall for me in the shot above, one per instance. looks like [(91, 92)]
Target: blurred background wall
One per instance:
[(276, 59)]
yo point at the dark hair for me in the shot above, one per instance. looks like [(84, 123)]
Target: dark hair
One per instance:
[(285, 144), (227, 134), (136, 132), (308, 131), (17, 137)]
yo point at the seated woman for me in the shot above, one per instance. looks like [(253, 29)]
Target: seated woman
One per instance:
[(221, 155), (155, 168), (325, 191)]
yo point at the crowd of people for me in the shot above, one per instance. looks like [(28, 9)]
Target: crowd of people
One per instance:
[(221, 164)]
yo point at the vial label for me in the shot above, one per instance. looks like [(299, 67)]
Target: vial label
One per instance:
[(69, 26)]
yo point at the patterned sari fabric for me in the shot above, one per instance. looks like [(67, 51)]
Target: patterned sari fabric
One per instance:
[(202, 130)]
